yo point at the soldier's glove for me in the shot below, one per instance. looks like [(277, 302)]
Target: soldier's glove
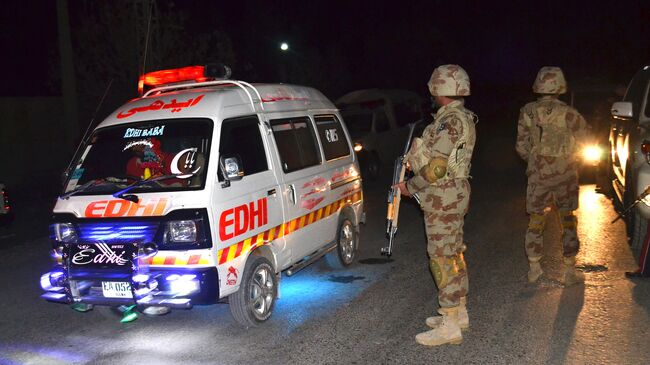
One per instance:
[(435, 170)]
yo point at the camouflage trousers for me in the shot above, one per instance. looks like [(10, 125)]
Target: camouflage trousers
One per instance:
[(446, 206), (560, 191)]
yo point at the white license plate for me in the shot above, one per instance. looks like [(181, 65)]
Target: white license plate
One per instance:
[(116, 289)]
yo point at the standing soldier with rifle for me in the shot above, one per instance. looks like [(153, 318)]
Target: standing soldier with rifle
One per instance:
[(441, 163), (548, 134)]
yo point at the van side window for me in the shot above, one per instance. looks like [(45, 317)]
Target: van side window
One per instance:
[(296, 143), (381, 121), (332, 137), (241, 136)]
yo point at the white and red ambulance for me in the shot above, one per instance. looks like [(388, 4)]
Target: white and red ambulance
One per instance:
[(205, 189)]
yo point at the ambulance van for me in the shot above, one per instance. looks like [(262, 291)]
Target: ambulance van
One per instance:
[(201, 190)]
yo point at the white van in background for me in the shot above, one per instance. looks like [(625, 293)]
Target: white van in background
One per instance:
[(377, 120)]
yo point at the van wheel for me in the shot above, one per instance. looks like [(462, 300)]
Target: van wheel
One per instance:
[(347, 246), (253, 303), (639, 231)]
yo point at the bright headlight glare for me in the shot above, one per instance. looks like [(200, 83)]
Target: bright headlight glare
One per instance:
[(181, 232), (592, 153), (358, 147), (64, 232)]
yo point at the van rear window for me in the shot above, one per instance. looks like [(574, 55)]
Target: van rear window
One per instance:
[(296, 142), (332, 137)]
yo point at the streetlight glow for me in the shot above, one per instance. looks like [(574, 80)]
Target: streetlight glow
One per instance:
[(284, 46)]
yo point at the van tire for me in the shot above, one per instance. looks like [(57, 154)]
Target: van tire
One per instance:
[(253, 303), (347, 246)]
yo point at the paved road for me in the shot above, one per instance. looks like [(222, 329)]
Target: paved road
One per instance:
[(370, 313)]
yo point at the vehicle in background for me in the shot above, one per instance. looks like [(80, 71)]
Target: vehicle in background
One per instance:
[(377, 120), (6, 209), (629, 157), (593, 98)]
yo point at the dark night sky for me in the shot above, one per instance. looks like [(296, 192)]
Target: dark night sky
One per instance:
[(383, 44)]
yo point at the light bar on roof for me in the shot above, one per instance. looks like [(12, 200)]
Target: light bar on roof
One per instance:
[(175, 75), (171, 76)]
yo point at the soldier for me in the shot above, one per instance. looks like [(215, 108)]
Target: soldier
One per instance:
[(440, 161), (548, 134)]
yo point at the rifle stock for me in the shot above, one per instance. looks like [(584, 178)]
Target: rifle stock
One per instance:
[(395, 196)]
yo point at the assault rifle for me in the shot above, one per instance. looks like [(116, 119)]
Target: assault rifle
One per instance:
[(395, 196), (638, 200)]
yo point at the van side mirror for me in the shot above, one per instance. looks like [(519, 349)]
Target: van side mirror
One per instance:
[(231, 169), (622, 110)]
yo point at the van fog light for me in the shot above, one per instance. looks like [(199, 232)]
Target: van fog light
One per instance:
[(53, 281), (181, 285)]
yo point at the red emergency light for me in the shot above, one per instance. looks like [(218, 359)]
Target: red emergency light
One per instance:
[(175, 75)]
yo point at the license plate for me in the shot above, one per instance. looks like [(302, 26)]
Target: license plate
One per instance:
[(116, 289), (114, 256)]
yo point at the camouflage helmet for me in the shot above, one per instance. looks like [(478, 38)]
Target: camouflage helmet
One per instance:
[(549, 80), (449, 80)]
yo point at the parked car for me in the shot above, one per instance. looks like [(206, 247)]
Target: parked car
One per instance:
[(629, 157), (6, 209), (377, 120)]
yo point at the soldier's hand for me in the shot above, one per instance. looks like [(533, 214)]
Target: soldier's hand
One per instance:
[(403, 189)]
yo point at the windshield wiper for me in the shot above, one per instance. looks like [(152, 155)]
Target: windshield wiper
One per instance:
[(84, 187), (134, 198)]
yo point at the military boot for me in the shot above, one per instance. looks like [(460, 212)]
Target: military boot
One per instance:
[(535, 270), (571, 275), (447, 333), (463, 317)]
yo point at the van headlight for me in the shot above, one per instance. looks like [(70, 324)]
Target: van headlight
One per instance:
[(358, 147), (181, 232), (64, 232)]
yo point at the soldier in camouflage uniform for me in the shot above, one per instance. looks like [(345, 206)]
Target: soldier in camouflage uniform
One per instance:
[(440, 161), (548, 134)]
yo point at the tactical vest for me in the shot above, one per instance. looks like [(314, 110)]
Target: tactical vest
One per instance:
[(550, 134), (458, 162)]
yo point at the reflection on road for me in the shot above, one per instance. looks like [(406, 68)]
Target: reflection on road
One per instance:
[(603, 311)]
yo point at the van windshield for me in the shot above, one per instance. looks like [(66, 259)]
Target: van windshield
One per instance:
[(117, 156)]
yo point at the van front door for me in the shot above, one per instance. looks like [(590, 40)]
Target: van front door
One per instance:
[(249, 211)]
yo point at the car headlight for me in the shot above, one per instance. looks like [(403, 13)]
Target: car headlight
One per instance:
[(64, 232), (181, 232), (592, 153), (357, 147)]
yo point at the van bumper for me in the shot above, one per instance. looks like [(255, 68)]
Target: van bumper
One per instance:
[(177, 288)]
